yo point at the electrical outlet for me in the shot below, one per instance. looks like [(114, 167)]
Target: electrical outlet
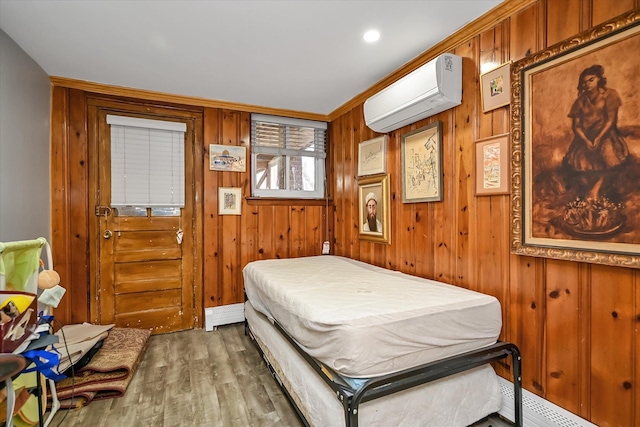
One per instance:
[(325, 248)]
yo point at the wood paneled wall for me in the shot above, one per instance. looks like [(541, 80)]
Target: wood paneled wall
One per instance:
[(265, 229), (576, 324)]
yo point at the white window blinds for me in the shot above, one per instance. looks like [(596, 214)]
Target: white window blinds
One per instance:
[(147, 162)]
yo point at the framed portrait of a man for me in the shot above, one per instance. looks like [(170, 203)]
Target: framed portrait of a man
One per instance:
[(374, 216)]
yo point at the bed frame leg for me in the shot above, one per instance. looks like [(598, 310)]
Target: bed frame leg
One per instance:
[(517, 386)]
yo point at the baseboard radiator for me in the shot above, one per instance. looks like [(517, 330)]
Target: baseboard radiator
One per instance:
[(223, 315), (538, 412)]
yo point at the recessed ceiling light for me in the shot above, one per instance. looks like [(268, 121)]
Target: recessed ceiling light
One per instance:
[(371, 36)]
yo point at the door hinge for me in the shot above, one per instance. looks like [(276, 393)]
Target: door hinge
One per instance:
[(103, 211)]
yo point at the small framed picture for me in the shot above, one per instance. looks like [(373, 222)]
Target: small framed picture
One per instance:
[(422, 164), (374, 209), (372, 156), (495, 87), (492, 165), (228, 158), (229, 201)]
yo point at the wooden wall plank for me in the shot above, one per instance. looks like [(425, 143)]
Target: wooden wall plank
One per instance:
[(463, 177), (230, 286), (298, 234), (337, 186), (563, 323), (612, 331), (424, 243), (526, 285), (560, 24), (350, 173), (249, 217), (60, 234), (315, 226), (266, 232), (524, 32), (444, 251), (79, 217), (584, 339), (211, 290), (282, 229), (603, 10), (635, 349)]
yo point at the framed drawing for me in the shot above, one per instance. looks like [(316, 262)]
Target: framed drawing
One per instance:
[(372, 156), (227, 158), (229, 201), (374, 208), (422, 164), (495, 87), (576, 148), (492, 165)]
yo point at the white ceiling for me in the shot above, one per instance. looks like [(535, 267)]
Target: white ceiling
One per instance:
[(300, 55)]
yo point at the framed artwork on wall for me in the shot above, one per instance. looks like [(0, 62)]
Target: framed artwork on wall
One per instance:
[(228, 158), (372, 156), (229, 201), (576, 148), (495, 87), (422, 164), (374, 209), (492, 165)]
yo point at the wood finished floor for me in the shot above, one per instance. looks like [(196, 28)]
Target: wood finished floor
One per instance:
[(198, 378)]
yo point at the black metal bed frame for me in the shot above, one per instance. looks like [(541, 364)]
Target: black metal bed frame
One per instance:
[(377, 387)]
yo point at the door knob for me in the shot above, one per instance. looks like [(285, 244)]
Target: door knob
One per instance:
[(107, 234)]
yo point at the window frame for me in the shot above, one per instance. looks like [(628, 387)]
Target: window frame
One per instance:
[(287, 154)]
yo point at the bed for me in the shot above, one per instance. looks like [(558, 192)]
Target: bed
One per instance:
[(354, 343)]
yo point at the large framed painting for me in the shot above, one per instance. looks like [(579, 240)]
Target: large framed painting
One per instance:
[(575, 121), (422, 164)]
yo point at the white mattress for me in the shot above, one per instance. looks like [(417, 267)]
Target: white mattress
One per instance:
[(455, 401), (364, 321)]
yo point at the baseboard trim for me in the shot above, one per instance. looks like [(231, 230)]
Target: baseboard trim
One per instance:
[(538, 412), (223, 315)]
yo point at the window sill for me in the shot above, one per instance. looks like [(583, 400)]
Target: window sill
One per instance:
[(275, 201)]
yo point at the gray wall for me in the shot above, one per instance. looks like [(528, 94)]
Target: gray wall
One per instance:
[(25, 103)]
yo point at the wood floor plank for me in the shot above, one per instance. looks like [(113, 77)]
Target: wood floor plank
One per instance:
[(198, 378), (232, 406)]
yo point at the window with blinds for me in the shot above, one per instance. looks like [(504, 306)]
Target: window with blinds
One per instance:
[(147, 162), (287, 157)]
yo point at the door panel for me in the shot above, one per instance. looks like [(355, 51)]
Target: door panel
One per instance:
[(145, 274), (159, 320), (143, 301)]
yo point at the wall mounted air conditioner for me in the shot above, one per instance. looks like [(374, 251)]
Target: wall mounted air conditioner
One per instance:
[(434, 87)]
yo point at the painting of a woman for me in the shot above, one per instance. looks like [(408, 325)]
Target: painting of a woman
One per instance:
[(575, 177), (598, 151), (584, 163)]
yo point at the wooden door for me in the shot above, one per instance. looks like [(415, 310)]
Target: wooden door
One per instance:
[(145, 270)]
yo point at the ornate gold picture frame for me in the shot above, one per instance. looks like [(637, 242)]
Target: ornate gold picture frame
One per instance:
[(575, 122)]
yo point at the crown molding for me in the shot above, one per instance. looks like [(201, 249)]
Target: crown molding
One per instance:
[(106, 89)]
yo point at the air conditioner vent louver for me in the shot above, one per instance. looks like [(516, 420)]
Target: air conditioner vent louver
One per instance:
[(434, 87)]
